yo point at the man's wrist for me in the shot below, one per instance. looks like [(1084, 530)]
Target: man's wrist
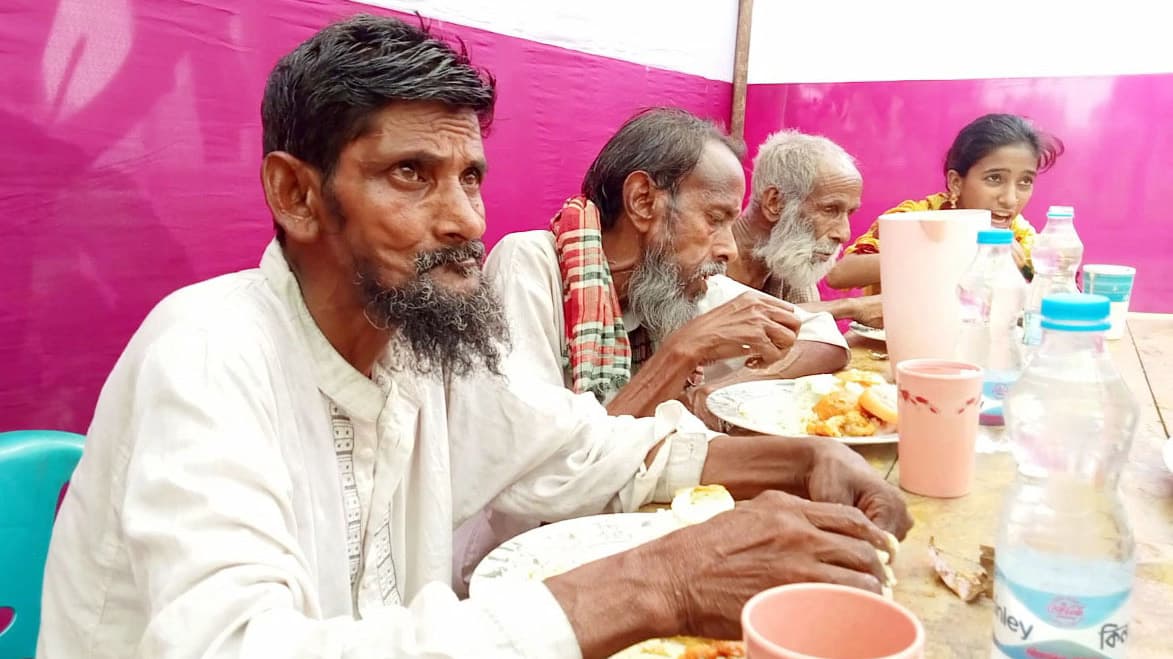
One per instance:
[(851, 309), (801, 457), (682, 349), (639, 580), (746, 466), (815, 453)]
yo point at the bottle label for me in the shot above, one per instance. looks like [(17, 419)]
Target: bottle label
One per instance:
[(1032, 328), (994, 391), (1036, 624)]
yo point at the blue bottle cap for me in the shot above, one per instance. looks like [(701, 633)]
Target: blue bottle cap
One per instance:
[(1075, 312), (995, 236), (1061, 211)]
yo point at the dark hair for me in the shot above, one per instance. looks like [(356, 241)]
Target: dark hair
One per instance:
[(320, 96), (991, 132), (666, 143)]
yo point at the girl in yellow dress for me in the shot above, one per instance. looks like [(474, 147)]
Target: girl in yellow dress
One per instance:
[(992, 165)]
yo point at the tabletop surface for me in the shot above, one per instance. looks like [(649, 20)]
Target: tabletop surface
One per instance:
[(959, 527)]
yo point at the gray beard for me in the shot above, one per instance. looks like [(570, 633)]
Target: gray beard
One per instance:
[(789, 251), (454, 333), (657, 291)]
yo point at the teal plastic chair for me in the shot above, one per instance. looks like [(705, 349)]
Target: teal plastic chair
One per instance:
[(35, 467)]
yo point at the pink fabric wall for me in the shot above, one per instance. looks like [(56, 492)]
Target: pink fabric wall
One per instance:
[(1117, 171), (132, 140)]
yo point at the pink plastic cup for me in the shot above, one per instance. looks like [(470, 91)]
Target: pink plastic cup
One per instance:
[(825, 621), (938, 408)]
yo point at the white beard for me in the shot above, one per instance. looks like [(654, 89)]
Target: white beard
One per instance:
[(789, 251), (657, 291)]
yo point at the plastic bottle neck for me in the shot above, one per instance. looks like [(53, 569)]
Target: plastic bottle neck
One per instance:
[(1059, 224), (994, 253), (1060, 342)]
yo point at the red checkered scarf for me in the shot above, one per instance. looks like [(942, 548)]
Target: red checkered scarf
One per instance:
[(598, 352)]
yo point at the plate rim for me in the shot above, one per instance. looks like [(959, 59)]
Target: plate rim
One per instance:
[(478, 580), (867, 331), (889, 438)]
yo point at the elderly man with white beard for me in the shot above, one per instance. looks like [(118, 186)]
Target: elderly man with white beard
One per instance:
[(805, 188), (624, 295)]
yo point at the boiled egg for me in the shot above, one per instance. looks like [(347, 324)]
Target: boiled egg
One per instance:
[(693, 505)]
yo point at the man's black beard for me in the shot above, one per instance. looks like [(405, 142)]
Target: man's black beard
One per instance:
[(455, 333)]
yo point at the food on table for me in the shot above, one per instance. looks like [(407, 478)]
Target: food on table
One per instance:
[(886, 559), (986, 560), (836, 403), (893, 544), (967, 579), (684, 647), (851, 403), (693, 505), (851, 424), (866, 378), (880, 402), (710, 649)]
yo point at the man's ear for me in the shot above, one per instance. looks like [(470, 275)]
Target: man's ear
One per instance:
[(772, 202), (293, 192), (641, 200)]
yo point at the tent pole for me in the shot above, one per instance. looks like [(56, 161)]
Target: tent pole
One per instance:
[(741, 68)]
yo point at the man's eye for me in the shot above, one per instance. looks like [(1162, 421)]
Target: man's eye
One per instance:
[(408, 170)]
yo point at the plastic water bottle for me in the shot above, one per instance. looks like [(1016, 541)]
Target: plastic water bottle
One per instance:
[(992, 294), (1056, 256), (1064, 561)]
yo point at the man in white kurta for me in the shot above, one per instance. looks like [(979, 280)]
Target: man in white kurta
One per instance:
[(524, 268), (526, 271), (212, 443), (634, 266), (279, 457)]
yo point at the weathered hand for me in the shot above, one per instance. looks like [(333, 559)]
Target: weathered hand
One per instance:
[(773, 539), (696, 400), (869, 311), (754, 326), (840, 475)]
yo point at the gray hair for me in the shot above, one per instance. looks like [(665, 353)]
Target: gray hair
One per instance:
[(789, 161), (666, 143), (320, 96)]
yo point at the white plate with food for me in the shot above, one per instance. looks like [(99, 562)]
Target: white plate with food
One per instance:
[(873, 333), (854, 407), (552, 549), (556, 548), (683, 647), (549, 550)]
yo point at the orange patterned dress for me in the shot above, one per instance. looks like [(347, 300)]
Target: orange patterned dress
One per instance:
[(869, 242)]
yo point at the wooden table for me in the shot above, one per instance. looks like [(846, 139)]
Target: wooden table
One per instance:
[(959, 526)]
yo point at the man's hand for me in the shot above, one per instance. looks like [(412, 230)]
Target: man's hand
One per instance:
[(840, 475), (696, 580), (695, 398), (756, 327), (771, 540), (869, 311), (819, 469)]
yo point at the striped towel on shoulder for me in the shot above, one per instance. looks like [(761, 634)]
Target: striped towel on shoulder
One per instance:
[(598, 352)]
